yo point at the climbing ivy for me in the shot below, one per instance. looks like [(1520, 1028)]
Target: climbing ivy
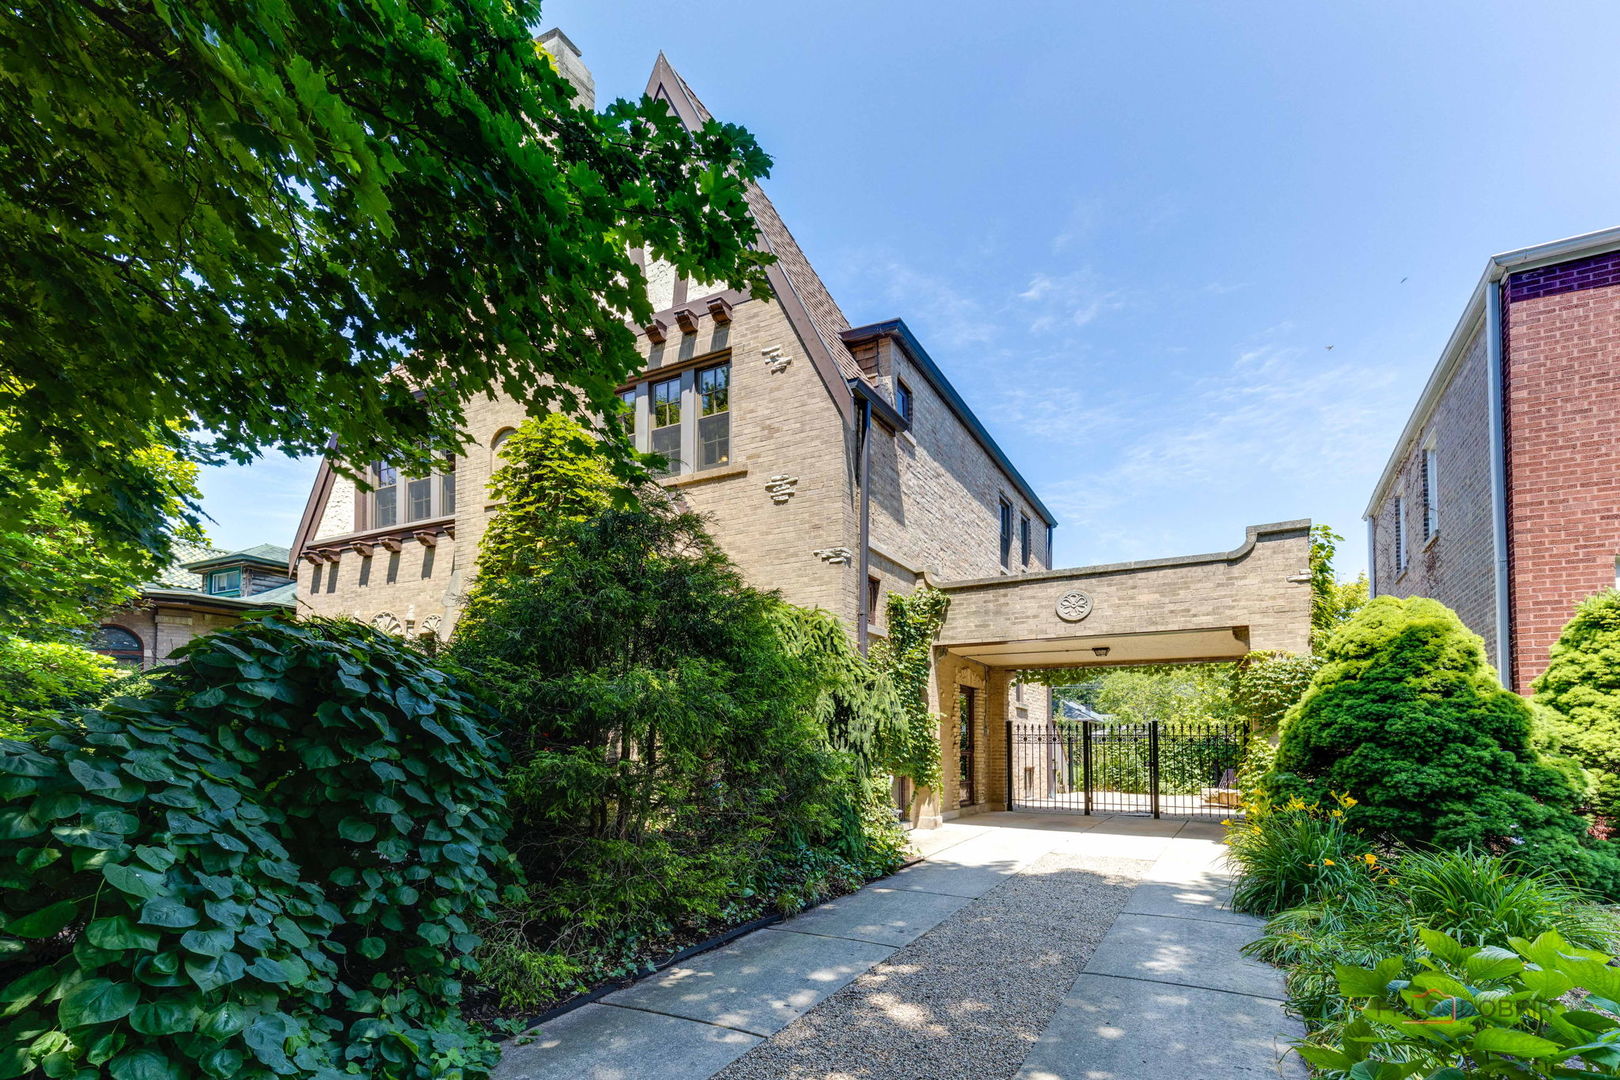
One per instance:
[(907, 656), (266, 866)]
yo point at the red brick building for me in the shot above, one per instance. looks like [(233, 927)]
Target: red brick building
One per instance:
[(1502, 498)]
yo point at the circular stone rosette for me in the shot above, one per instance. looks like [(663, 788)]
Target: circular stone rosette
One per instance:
[(1073, 606)]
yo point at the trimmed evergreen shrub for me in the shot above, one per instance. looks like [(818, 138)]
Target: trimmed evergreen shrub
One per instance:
[(687, 752), (267, 866), (1582, 686), (1406, 715)]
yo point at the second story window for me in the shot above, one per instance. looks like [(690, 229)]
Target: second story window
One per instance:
[(1025, 539), (399, 500), (1006, 533), (1431, 501), (714, 416), (225, 583), (902, 399), (1400, 534), (666, 422)]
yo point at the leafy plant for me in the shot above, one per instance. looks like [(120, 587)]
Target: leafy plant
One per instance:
[(1582, 686), (1465, 1012), (242, 217), (1333, 602), (267, 866), (907, 656), (1406, 713), (41, 681), (1265, 685), (1296, 853)]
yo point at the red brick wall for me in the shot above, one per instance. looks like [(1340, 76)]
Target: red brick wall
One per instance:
[(1562, 368)]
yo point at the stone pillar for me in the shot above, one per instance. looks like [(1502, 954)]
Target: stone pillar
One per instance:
[(993, 739)]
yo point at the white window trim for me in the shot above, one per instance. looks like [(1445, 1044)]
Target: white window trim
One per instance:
[(1402, 537), (1431, 500)]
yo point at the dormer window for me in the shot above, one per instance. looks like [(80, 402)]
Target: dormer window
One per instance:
[(399, 500), (225, 582)]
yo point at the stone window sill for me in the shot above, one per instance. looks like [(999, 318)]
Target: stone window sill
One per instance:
[(1429, 543), (719, 472)]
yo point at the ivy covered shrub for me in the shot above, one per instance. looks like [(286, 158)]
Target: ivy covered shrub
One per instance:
[(1406, 714), (269, 865), (1582, 687), (42, 681), (687, 752)]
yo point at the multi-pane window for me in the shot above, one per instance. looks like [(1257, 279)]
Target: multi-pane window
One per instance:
[(902, 399), (666, 422), (225, 583), (628, 419), (1006, 532), (1024, 538), (714, 416), (400, 500), (1431, 500), (1400, 534)]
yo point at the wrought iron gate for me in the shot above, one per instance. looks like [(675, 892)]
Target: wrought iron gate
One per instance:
[(1090, 767)]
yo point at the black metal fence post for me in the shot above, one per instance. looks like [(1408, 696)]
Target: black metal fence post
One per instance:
[(1010, 800), (1085, 759), (1153, 765)]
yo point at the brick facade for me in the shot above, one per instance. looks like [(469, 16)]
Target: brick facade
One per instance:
[(1456, 562), (1562, 398), (1560, 394)]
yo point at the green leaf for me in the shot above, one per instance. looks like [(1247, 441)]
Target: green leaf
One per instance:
[(267, 970), (44, 923), (118, 932), (97, 1001), (359, 830), (168, 912), (211, 942), (136, 881), (1442, 945), (372, 947), (1363, 982), (144, 1064), (163, 1017), (208, 699), (224, 1020), (21, 992), (1517, 1043)]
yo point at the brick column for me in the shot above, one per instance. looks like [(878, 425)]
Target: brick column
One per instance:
[(993, 739)]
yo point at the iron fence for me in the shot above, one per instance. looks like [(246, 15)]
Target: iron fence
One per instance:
[(1183, 769)]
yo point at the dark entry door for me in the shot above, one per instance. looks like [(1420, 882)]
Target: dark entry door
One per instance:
[(967, 715)]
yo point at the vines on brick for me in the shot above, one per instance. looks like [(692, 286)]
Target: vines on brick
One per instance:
[(914, 622)]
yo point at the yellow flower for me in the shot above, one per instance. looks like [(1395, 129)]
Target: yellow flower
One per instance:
[(1369, 858), (1329, 862), (1337, 813)]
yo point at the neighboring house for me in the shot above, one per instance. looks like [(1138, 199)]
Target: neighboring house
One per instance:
[(1502, 498), (204, 589), (835, 463)]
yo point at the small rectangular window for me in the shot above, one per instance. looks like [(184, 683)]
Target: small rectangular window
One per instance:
[(1431, 501), (1006, 533), (225, 583), (874, 594), (1018, 692), (1400, 534), (628, 419), (666, 423), (902, 399), (1025, 540), (419, 496), (447, 488), (714, 416), (385, 499)]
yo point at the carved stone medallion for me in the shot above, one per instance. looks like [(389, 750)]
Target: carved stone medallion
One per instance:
[(1073, 606)]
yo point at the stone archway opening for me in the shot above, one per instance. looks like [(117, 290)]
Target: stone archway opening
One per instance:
[(1191, 609)]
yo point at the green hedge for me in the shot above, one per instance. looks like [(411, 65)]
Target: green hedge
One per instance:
[(268, 866)]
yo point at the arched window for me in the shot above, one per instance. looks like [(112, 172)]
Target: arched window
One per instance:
[(118, 643), (497, 445)]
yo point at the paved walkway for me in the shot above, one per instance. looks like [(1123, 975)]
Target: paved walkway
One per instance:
[(1046, 947)]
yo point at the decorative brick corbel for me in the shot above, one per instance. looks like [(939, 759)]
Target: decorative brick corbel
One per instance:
[(720, 309), (390, 543), (426, 537), (363, 548), (656, 331), (687, 320)]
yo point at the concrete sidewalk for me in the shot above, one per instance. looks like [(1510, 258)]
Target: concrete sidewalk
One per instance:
[(1165, 990)]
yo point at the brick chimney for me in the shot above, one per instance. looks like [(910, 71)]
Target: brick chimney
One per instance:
[(566, 55)]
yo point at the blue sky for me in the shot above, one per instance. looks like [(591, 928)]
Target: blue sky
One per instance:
[(1190, 262)]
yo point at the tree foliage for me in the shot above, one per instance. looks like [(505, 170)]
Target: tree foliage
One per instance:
[(58, 573), (249, 224), (687, 752), (44, 681), (1407, 716), (1582, 685), (1333, 602), (268, 866), (1267, 684)]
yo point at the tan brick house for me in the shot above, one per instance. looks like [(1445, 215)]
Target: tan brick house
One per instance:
[(1502, 497), (835, 463)]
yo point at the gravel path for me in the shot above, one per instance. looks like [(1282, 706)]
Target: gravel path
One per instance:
[(967, 999)]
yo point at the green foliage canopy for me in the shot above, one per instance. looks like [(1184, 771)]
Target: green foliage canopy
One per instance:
[(247, 223), (1582, 684), (40, 681), (1407, 716), (267, 866), (1333, 602), (1267, 684), (907, 656)]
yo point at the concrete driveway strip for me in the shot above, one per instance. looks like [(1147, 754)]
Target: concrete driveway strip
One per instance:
[(884, 916), (601, 1042), (1184, 952), (757, 985)]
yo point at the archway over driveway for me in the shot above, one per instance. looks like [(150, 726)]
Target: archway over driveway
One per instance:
[(1193, 608)]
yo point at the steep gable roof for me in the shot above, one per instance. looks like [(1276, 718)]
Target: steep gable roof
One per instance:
[(796, 282)]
